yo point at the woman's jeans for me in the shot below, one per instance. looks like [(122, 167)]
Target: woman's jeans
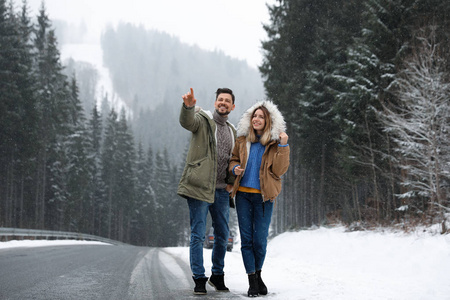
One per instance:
[(220, 212), (254, 218)]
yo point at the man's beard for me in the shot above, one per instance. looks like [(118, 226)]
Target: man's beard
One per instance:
[(226, 113)]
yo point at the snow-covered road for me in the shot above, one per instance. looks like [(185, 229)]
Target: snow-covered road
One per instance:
[(321, 264)]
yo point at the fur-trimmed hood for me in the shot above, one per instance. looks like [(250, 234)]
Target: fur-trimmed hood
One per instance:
[(278, 123)]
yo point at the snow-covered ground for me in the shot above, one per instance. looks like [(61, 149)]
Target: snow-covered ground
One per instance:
[(92, 53), (44, 243), (331, 264)]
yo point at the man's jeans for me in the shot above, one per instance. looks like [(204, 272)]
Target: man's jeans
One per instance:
[(220, 212), (254, 218)]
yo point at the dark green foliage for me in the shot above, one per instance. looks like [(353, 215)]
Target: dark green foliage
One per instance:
[(62, 171), (149, 67), (331, 66), (328, 65), (150, 70)]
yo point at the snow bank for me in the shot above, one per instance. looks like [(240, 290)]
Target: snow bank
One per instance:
[(45, 243), (332, 264)]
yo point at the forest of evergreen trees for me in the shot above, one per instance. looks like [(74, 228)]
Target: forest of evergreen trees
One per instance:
[(62, 168), (364, 87), (150, 70)]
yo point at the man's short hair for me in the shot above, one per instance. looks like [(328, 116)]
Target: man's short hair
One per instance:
[(224, 91)]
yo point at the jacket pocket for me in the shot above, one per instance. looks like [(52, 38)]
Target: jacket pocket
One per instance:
[(268, 166), (199, 173)]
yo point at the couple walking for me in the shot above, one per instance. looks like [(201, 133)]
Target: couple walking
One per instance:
[(247, 164)]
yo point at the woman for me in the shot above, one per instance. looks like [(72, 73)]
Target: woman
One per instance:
[(260, 157)]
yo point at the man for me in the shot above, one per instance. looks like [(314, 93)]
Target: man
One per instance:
[(206, 183)]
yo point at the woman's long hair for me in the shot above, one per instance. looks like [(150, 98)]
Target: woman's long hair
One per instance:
[(266, 136)]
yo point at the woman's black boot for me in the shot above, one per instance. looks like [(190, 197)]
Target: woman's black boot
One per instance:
[(253, 282), (262, 288)]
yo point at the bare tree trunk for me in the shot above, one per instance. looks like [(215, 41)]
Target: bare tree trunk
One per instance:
[(12, 194), (391, 200), (374, 171), (21, 208), (109, 210), (99, 220), (356, 202), (311, 201), (36, 197), (306, 197), (436, 172), (320, 197), (44, 186), (8, 202), (121, 225)]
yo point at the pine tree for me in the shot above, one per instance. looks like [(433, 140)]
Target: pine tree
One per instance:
[(53, 107), (9, 114), (18, 119), (127, 173), (138, 233), (145, 198), (165, 222), (96, 184), (79, 164), (373, 60), (150, 198), (27, 130), (292, 36), (420, 126), (307, 45), (110, 173)]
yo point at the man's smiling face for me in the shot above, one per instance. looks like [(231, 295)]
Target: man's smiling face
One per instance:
[(224, 104)]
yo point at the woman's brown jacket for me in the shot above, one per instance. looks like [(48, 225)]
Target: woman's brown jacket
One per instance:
[(275, 160)]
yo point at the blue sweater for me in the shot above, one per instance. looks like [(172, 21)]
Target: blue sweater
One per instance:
[(251, 174)]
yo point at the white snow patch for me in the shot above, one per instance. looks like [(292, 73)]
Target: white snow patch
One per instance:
[(324, 264), (92, 53), (46, 243)]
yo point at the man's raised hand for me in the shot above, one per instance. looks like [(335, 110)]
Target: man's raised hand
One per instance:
[(189, 99)]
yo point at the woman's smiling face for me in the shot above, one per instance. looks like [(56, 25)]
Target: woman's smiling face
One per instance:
[(259, 121)]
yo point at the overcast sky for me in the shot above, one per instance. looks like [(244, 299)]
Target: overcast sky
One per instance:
[(232, 26)]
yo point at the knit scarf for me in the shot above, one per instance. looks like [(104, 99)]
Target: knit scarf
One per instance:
[(224, 144)]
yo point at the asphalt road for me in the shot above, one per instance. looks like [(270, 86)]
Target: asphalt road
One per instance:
[(96, 272)]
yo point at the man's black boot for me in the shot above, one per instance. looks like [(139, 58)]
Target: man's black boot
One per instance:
[(262, 288), (218, 283), (253, 285), (200, 286)]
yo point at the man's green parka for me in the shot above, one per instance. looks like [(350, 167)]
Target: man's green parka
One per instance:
[(198, 180)]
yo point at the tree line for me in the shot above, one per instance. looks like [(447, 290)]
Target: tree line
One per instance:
[(150, 70), (364, 87), (63, 170)]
